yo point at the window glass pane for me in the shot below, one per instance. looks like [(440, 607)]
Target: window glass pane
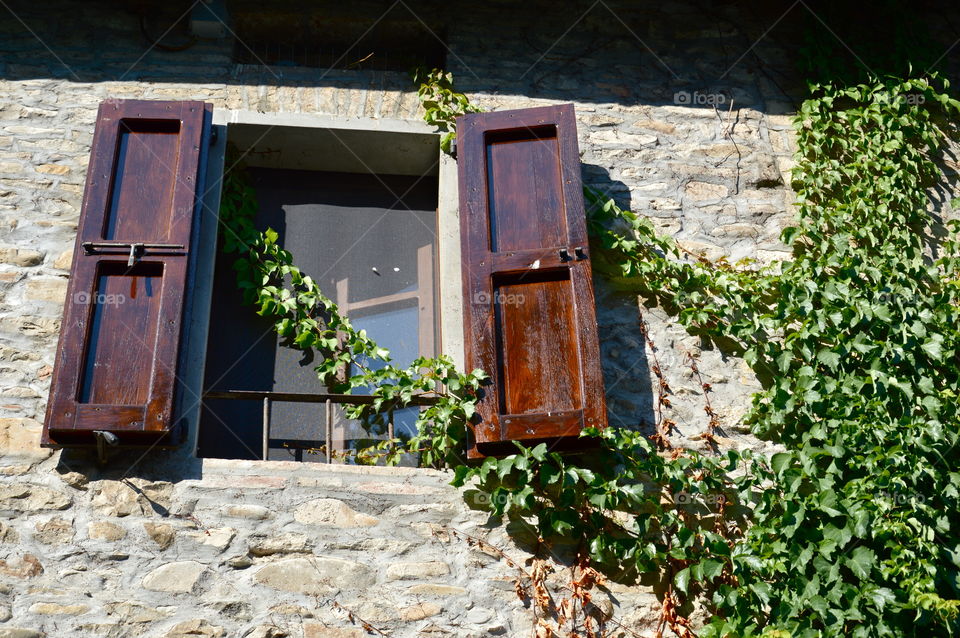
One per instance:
[(393, 327)]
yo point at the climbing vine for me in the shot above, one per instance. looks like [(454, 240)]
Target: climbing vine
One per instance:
[(855, 528), (441, 104)]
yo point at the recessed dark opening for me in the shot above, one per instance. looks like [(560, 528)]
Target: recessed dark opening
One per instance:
[(387, 45), (522, 134)]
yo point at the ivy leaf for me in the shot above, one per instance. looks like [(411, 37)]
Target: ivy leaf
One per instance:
[(780, 461), (539, 452), (505, 466), (711, 569), (881, 596), (861, 561), (934, 348), (762, 590), (682, 580)]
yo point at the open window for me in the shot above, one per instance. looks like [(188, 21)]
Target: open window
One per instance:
[(362, 222), (156, 338)]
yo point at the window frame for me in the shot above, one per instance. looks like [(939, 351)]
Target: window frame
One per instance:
[(448, 289)]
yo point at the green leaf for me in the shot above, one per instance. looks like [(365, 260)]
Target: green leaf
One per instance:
[(711, 569), (682, 580), (781, 461), (861, 561)]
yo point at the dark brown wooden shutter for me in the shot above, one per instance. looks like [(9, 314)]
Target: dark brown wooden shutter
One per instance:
[(117, 358), (529, 318)]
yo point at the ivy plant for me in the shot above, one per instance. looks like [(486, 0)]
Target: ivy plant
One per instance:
[(441, 104), (855, 528)]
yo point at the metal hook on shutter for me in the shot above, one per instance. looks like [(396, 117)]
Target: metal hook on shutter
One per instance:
[(137, 249)]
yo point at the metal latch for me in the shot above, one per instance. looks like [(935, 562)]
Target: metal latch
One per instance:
[(578, 251), (137, 249)]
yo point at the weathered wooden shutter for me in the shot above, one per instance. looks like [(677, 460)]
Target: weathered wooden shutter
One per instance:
[(117, 358), (529, 317)]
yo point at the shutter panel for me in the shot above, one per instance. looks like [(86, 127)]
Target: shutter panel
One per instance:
[(116, 367), (529, 315)]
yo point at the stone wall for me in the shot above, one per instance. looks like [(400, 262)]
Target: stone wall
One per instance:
[(670, 123), (683, 113), (253, 549)]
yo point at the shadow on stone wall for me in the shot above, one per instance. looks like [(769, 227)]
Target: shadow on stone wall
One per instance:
[(701, 54), (698, 55), (943, 195), (623, 353)]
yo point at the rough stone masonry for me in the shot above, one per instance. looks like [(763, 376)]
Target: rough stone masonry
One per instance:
[(683, 114)]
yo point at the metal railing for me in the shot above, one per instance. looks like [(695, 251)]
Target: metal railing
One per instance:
[(300, 445)]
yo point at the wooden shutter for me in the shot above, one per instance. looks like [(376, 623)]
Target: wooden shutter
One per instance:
[(116, 367), (529, 318)]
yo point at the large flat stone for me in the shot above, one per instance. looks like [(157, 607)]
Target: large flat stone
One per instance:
[(195, 628), (133, 497), (330, 511), (252, 512), (411, 571), (433, 589), (280, 544), (56, 531), (56, 609), (315, 575), (314, 630), (23, 497), (135, 612), (178, 578), (20, 439), (161, 533), (419, 611), (218, 538), (102, 530), (26, 567)]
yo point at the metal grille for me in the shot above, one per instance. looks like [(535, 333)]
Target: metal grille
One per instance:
[(297, 447)]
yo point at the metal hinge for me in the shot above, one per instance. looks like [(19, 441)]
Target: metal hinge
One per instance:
[(137, 249)]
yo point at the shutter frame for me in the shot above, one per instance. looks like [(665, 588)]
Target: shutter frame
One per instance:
[(144, 184), (507, 247)]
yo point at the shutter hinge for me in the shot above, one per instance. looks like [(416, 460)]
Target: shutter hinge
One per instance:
[(103, 439), (453, 148)]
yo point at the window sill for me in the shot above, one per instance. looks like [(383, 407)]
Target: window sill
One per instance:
[(296, 469)]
